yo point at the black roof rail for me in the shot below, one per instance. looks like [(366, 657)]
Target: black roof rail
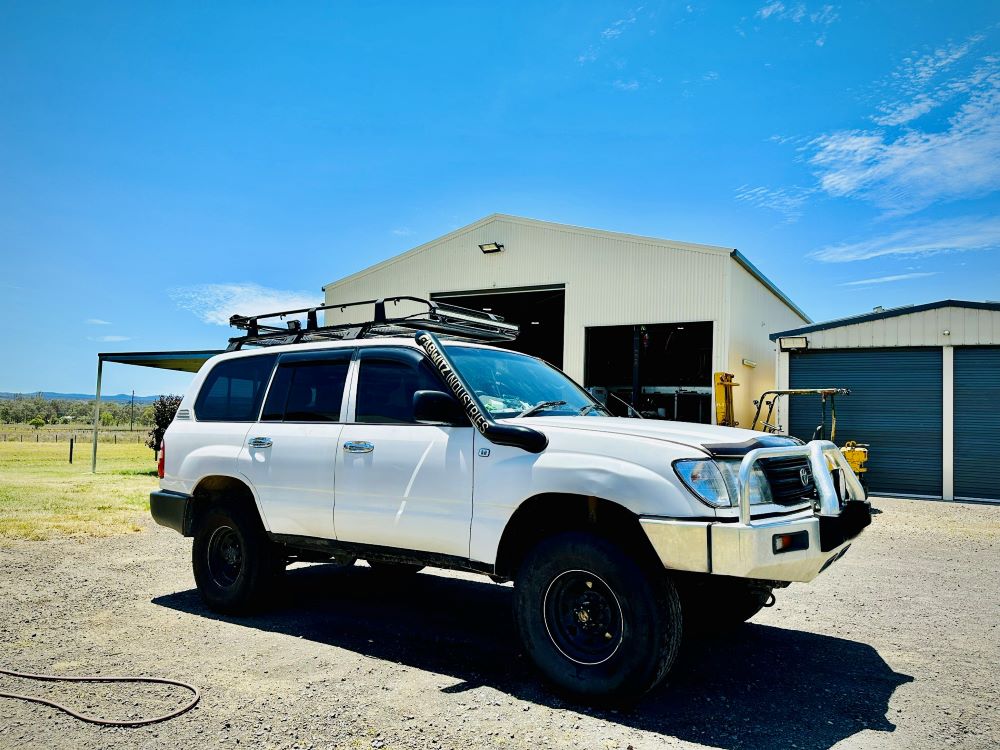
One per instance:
[(448, 320)]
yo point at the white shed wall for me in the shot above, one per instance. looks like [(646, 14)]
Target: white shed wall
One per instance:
[(755, 314)]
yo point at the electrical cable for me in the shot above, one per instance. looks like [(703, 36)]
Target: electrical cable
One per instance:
[(97, 678)]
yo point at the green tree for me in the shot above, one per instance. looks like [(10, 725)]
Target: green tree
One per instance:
[(164, 409), (37, 422)]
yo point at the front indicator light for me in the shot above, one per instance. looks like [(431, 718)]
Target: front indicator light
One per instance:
[(798, 540)]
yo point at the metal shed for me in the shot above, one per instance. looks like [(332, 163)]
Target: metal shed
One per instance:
[(925, 389), (647, 320)]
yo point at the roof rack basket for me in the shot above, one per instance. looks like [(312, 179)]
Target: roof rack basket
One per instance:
[(448, 320)]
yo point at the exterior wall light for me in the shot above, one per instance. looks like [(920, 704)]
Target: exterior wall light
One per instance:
[(491, 247), (791, 343)]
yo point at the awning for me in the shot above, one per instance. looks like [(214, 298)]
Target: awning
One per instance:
[(184, 361)]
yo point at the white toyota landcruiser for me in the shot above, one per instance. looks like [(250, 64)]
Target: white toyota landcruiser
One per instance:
[(382, 442)]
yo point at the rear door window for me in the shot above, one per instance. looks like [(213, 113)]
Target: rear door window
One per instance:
[(308, 387), (234, 389)]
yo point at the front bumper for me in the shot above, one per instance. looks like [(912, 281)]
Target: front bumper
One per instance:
[(750, 548), (171, 509)]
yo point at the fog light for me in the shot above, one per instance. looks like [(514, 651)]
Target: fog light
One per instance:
[(790, 542)]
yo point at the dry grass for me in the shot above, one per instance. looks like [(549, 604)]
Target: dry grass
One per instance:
[(43, 497)]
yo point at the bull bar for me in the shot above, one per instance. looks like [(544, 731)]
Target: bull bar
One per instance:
[(745, 547), (817, 452)]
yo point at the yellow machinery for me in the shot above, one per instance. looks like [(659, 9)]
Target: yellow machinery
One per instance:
[(857, 456), (855, 453), (724, 412)]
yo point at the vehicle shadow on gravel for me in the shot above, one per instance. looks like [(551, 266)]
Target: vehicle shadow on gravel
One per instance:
[(763, 687)]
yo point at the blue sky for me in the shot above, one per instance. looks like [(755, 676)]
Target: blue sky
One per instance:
[(162, 165)]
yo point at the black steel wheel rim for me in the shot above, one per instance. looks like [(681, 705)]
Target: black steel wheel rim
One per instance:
[(225, 556), (583, 617)]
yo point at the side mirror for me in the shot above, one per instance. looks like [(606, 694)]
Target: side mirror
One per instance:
[(436, 407)]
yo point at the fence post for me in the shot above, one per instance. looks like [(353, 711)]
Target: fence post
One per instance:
[(71, 450)]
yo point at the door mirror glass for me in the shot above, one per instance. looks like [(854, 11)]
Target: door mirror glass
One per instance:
[(437, 407)]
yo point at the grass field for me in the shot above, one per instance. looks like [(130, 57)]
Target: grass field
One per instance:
[(42, 496)]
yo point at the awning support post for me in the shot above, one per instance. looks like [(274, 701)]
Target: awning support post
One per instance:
[(97, 416)]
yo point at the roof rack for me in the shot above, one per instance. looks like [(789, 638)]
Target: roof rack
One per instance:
[(448, 320)]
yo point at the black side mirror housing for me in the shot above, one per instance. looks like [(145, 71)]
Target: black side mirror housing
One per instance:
[(437, 407)]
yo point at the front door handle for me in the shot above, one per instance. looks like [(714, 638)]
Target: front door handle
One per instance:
[(261, 442), (359, 446)]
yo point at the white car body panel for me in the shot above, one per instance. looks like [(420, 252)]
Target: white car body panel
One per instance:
[(294, 477), (412, 491)]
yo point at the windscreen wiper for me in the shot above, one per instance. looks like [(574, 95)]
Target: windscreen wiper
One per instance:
[(538, 407), (591, 407)]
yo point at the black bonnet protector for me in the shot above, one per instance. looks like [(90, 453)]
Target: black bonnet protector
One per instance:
[(516, 436), (738, 450)]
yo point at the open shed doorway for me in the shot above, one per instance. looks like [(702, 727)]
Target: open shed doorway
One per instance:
[(663, 370), (539, 311)]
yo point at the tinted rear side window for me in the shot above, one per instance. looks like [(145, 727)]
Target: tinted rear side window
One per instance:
[(234, 389), (308, 390)]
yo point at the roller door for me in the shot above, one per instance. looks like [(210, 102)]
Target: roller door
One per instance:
[(977, 423), (895, 405)]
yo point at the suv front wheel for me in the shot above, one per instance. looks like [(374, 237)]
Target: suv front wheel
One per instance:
[(600, 625), (234, 562)]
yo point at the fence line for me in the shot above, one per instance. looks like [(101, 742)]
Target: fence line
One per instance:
[(84, 436)]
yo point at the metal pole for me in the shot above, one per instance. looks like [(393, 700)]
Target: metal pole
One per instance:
[(71, 450), (97, 416), (131, 418)]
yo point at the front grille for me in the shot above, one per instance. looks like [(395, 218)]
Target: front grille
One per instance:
[(785, 477)]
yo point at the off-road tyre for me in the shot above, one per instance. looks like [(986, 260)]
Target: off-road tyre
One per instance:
[(235, 565), (395, 569), (602, 625)]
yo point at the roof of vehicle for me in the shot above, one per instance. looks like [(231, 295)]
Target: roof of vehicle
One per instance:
[(407, 341)]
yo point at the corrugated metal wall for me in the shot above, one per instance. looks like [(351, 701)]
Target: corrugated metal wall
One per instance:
[(610, 278), (977, 423), (895, 405), (965, 326)]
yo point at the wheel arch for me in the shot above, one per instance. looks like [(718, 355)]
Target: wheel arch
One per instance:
[(216, 488), (551, 513)]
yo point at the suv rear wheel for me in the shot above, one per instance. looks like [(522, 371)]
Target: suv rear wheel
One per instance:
[(235, 564), (599, 624)]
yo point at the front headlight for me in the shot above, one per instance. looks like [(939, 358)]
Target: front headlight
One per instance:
[(715, 482)]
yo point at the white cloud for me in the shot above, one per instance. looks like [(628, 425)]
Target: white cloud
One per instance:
[(97, 322), (798, 12), (890, 279), (915, 169), (609, 34), (710, 76), (770, 9), (621, 85), (402, 231), (215, 303), (107, 339), (786, 201), (945, 236), (915, 86)]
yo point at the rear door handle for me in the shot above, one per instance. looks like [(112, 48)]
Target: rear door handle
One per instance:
[(359, 446), (261, 442)]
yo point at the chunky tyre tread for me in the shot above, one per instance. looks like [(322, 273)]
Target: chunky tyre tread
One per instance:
[(262, 565), (652, 623)]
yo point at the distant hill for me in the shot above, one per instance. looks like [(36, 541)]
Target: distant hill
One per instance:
[(51, 396)]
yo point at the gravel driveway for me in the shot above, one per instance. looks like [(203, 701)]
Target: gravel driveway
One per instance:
[(896, 646)]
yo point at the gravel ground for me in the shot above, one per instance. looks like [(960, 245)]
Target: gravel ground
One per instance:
[(896, 646)]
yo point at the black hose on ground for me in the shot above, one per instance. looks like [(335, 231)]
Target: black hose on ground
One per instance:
[(97, 678)]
